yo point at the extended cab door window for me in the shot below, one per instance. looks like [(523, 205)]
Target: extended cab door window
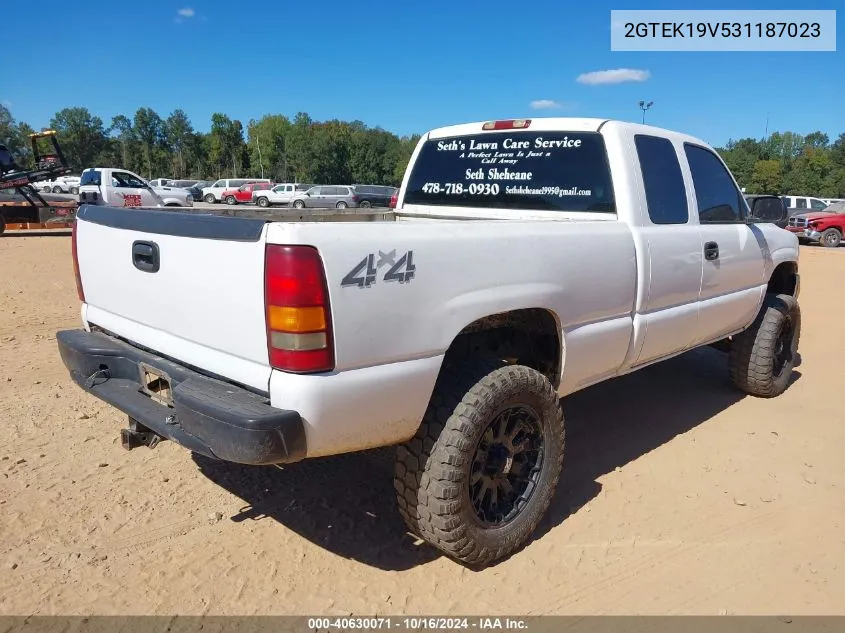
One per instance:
[(800, 203), (666, 195), (719, 200)]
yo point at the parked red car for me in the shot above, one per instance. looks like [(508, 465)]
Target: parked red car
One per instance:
[(244, 193), (825, 227)]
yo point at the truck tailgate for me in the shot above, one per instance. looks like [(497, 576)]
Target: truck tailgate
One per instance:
[(188, 286)]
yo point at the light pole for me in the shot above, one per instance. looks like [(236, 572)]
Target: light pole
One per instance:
[(645, 106)]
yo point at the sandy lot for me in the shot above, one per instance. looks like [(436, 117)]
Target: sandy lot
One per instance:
[(679, 495)]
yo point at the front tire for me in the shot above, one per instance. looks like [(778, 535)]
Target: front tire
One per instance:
[(763, 356), (263, 202), (299, 204), (209, 198), (57, 189), (74, 190), (482, 469), (831, 238), (366, 204), (230, 200)]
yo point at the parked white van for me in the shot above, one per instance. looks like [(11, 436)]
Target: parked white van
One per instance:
[(213, 193), (805, 203)]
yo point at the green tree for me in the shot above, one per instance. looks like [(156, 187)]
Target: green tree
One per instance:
[(267, 140), (226, 148), (177, 132), (767, 177), (15, 136), (81, 135), (148, 130)]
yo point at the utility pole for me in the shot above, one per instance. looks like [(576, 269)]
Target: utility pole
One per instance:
[(260, 162), (645, 106)]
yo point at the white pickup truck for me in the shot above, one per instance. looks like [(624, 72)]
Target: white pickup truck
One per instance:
[(282, 193), (123, 188), (525, 260)]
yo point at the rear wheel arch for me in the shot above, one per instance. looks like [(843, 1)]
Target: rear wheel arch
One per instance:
[(527, 336)]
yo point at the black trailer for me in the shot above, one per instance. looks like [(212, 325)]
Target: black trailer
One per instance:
[(21, 205)]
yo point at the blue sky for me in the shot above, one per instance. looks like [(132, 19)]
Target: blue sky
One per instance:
[(405, 65)]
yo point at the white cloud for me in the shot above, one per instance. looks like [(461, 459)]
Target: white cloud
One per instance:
[(186, 12), (616, 76), (546, 104)]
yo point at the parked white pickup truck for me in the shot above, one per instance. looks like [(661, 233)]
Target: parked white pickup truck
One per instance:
[(282, 193), (525, 260), (122, 188)]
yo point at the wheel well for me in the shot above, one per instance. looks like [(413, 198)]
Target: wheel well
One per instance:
[(783, 279), (528, 337)]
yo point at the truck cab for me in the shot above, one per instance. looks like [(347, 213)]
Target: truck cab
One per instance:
[(123, 188)]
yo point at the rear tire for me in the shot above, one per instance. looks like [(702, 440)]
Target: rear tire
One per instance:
[(209, 198), (57, 189), (830, 238), (74, 190), (762, 357), (341, 205), (263, 202), (460, 484)]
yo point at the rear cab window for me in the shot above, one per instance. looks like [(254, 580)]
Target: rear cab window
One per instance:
[(90, 178), (520, 170)]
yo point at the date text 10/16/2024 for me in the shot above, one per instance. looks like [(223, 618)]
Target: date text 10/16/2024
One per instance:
[(417, 623)]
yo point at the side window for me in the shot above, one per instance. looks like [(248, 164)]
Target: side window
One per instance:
[(719, 201), (800, 203), (665, 193), (123, 179), (817, 204)]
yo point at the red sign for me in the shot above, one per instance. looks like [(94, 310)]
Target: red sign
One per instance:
[(131, 200)]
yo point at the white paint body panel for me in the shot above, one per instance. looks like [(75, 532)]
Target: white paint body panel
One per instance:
[(624, 292)]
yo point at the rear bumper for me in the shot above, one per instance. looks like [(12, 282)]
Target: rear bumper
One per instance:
[(208, 416)]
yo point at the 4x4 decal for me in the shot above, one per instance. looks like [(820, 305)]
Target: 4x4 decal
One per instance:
[(365, 273)]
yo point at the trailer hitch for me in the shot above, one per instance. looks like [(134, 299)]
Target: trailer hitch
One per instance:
[(138, 435)]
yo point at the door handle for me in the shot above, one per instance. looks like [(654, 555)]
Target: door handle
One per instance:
[(145, 256), (711, 251)]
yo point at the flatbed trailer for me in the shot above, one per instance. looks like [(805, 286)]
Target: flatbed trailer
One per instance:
[(22, 206)]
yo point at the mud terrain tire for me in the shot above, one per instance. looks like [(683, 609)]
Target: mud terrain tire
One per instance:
[(488, 425), (762, 357)]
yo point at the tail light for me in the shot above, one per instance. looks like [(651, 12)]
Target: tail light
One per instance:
[(80, 293), (355, 198), (299, 335), (394, 200)]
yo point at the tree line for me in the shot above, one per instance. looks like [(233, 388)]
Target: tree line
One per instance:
[(789, 163), (350, 152), (274, 147)]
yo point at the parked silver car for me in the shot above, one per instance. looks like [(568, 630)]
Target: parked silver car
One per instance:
[(324, 196)]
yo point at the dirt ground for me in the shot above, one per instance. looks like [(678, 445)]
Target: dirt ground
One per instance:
[(679, 496)]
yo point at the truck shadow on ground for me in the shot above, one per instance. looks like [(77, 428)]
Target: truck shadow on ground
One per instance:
[(346, 503)]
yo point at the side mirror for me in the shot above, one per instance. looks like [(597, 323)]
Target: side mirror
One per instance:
[(767, 210)]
